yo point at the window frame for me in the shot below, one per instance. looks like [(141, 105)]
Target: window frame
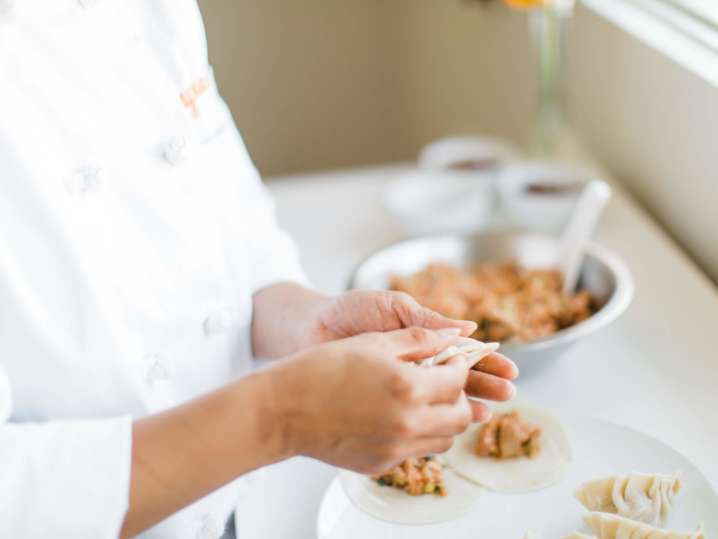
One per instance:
[(681, 16), (697, 8), (668, 27)]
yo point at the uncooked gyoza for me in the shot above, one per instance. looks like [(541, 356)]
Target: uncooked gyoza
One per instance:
[(473, 350), (609, 526), (644, 497)]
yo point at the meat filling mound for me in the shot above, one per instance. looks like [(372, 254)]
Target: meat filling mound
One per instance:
[(507, 436), (415, 476), (508, 302)]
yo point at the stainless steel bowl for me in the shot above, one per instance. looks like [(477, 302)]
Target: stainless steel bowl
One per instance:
[(603, 274)]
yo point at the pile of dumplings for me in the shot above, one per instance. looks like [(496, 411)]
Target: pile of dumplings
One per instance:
[(629, 507)]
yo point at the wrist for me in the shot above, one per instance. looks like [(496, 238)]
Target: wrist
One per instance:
[(318, 313), (272, 426), (285, 319)]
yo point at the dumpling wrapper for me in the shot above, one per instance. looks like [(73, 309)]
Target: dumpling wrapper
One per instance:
[(474, 351), (393, 505), (520, 474), (609, 526), (644, 497)]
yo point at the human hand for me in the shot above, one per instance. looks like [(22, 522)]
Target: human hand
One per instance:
[(362, 311), (490, 379), (361, 402), (289, 318)]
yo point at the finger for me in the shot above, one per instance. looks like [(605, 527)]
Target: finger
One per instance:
[(441, 383), (479, 411), (415, 343), (412, 314), (429, 446), (488, 386), (498, 365), (441, 420)]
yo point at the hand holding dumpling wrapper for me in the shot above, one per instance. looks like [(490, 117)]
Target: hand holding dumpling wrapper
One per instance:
[(473, 350)]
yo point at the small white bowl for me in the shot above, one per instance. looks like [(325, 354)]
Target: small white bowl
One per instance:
[(539, 196), (468, 154), (430, 202)]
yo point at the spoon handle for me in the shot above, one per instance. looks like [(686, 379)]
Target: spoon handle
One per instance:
[(579, 230)]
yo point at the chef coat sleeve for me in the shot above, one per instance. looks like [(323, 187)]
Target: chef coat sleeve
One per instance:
[(273, 255), (63, 478)]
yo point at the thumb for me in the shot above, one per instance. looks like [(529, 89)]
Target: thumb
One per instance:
[(413, 314), (414, 343)]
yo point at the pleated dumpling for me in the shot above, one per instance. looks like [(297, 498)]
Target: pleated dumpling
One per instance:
[(576, 535), (644, 497), (608, 526)]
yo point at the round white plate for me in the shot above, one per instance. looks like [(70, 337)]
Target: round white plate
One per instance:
[(600, 449), (395, 506)]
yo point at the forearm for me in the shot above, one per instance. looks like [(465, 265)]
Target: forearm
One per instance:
[(187, 452), (284, 319)]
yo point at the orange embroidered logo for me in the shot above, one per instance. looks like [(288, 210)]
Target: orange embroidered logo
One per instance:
[(190, 96)]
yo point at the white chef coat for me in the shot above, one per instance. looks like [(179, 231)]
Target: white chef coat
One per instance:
[(134, 230)]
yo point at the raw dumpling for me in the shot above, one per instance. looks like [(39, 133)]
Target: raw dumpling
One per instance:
[(516, 474), (608, 526), (474, 351), (644, 497)]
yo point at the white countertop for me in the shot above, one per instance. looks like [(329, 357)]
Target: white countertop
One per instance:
[(655, 370)]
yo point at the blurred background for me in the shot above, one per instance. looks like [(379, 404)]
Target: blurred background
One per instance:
[(319, 85)]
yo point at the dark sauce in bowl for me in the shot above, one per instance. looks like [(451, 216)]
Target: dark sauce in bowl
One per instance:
[(553, 188)]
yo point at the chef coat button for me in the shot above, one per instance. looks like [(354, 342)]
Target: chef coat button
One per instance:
[(84, 180), (176, 150), (208, 528), (160, 369), (218, 322)]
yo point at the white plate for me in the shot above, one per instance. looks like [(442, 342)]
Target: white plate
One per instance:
[(600, 449), (394, 505)]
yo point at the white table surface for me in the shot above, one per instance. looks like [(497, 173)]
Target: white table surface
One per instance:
[(655, 370)]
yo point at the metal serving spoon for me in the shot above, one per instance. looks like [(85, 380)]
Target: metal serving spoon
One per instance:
[(579, 230)]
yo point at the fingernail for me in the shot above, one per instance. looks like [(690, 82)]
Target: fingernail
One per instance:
[(449, 332)]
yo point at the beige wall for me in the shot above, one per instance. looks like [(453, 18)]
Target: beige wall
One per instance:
[(316, 84), (655, 125)]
